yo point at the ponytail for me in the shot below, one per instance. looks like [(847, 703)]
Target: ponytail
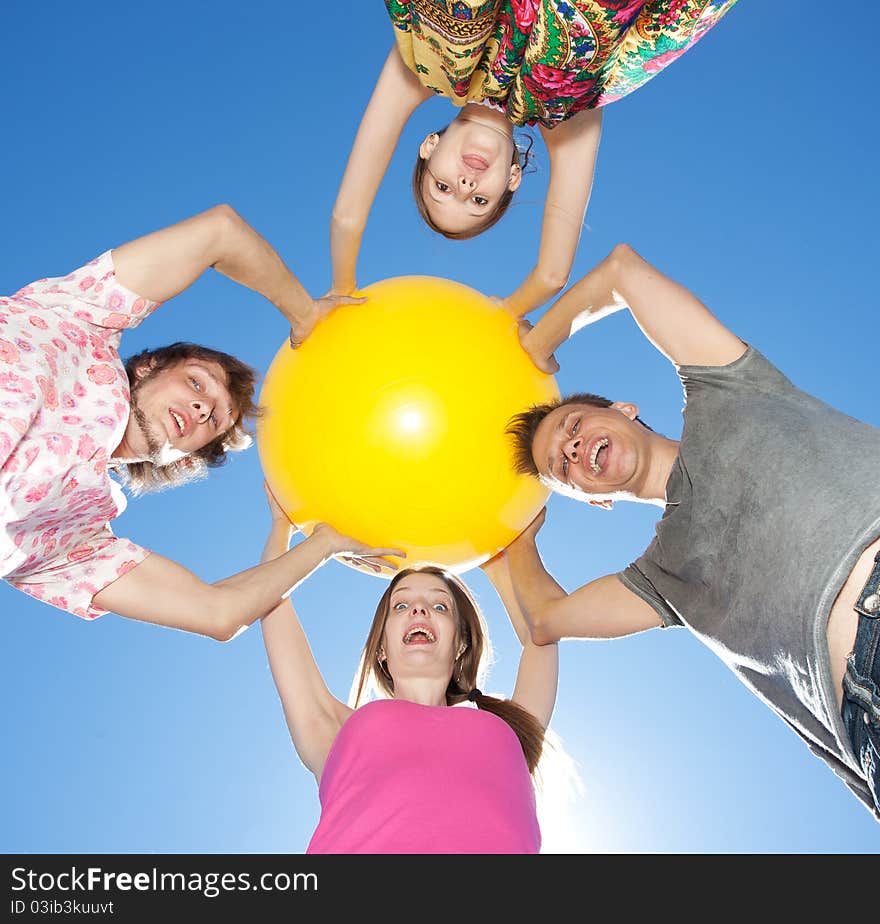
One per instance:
[(525, 726)]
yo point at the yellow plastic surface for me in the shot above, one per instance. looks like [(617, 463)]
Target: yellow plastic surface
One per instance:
[(388, 423)]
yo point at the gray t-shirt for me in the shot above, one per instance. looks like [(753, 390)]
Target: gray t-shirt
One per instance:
[(772, 498)]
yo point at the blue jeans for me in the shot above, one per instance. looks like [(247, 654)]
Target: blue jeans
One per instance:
[(861, 685)]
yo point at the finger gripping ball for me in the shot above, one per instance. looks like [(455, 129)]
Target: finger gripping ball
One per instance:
[(388, 423)]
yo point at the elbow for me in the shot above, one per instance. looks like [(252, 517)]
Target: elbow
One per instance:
[(224, 215), (224, 621), (222, 632), (225, 222), (552, 280), (620, 266), (622, 258), (220, 628), (540, 628), (541, 636)]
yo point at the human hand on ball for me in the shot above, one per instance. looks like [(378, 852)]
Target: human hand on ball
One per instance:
[(320, 308), (528, 536), (355, 552), (505, 304), (332, 300), (275, 509), (496, 565), (544, 361)]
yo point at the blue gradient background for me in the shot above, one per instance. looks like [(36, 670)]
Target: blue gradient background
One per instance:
[(746, 171)]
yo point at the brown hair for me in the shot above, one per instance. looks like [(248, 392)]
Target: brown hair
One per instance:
[(472, 632), (142, 477), (520, 157), (523, 426)]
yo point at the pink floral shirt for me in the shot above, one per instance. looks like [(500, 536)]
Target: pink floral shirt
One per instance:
[(64, 406)]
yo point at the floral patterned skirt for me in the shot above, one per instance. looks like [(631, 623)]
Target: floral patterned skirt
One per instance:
[(544, 60)]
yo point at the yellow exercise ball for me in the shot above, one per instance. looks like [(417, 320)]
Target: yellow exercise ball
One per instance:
[(388, 423)]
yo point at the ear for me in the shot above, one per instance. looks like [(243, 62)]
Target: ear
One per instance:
[(426, 148), (142, 369), (604, 504), (516, 176), (628, 410), (380, 654)]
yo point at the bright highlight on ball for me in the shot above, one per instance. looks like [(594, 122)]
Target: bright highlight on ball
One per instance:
[(388, 423)]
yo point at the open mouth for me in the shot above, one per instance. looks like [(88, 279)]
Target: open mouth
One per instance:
[(475, 162), (419, 635), (181, 422), (599, 455)]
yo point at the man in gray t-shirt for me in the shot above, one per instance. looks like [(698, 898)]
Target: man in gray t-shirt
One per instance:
[(765, 579)]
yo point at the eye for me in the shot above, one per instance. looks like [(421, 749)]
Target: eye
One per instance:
[(196, 384), (575, 425), (565, 468), (481, 200), (400, 605), (443, 187), (214, 421), (441, 607)]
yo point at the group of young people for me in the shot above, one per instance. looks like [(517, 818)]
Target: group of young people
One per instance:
[(769, 555)]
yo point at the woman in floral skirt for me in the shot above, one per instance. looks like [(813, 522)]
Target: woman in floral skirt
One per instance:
[(506, 63)]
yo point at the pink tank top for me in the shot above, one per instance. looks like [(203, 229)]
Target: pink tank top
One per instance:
[(405, 778)]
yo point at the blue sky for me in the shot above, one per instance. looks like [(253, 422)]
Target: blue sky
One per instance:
[(745, 171)]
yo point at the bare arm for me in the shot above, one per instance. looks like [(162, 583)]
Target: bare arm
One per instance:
[(604, 608), (162, 592), (314, 716), (669, 315), (396, 95), (162, 264), (538, 674), (572, 148)]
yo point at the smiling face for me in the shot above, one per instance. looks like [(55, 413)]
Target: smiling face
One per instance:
[(468, 170), (596, 451), (178, 410), (421, 635)]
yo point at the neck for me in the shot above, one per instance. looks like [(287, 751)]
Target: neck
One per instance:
[(663, 453), (422, 690), (125, 452), (487, 116)]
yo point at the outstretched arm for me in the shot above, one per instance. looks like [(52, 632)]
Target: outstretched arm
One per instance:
[(162, 264), (572, 148), (314, 716), (396, 95), (604, 608), (669, 315), (538, 674), (164, 593)]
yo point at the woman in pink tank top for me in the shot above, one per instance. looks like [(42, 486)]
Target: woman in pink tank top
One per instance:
[(418, 770)]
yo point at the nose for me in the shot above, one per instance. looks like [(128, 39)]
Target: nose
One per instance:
[(466, 184), (573, 448), (418, 609), (202, 409)]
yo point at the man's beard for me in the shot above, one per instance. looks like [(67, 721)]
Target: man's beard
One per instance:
[(160, 451)]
